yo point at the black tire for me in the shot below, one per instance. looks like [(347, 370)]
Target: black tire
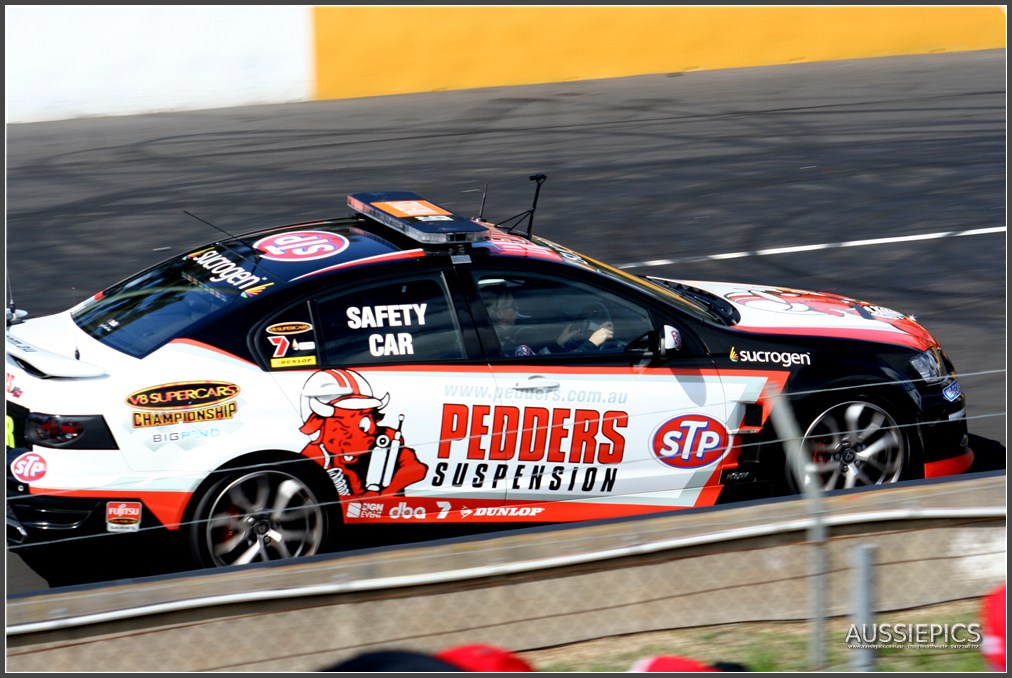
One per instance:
[(856, 443), (258, 514)]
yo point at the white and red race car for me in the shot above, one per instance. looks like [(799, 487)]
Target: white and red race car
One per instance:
[(408, 365)]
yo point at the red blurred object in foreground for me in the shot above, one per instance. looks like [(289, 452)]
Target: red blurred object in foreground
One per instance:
[(993, 628), (481, 657)]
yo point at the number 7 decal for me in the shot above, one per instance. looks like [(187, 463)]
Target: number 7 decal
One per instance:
[(281, 345)]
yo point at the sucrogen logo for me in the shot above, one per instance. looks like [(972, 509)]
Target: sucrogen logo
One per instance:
[(184, 395), (777, 357), (226, 271), (689, 441)]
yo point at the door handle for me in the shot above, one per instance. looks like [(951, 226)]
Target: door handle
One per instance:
[(537, 383)]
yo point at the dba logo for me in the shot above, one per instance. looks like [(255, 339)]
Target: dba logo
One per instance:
[(690, 441), (403, 510)]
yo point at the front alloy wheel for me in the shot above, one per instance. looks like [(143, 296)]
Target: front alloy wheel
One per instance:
[(853, 444), (258, 516)]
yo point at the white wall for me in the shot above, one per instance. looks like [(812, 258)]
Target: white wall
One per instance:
[(65, 62)]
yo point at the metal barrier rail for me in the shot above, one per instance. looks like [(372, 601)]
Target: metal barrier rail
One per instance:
[(531, 589), (358, 572), (483, 571)]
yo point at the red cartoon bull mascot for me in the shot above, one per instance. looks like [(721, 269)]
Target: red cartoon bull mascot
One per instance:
[(342, 417)]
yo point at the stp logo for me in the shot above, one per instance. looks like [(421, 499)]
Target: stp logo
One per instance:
[(29, 467), (690, 441), (301, 245), (402, 510)]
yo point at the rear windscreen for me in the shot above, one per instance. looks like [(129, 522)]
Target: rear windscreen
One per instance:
[(144, 312)]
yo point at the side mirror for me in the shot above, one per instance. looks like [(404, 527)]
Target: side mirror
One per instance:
[(670, 341)]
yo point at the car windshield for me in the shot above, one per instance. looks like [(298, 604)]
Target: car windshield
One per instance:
[(669, 295), (143, 312)]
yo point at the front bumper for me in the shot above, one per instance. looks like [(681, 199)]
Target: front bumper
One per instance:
[(942, 427), (945, 441)]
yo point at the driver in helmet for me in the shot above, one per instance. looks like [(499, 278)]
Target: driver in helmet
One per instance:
[(587, 335)]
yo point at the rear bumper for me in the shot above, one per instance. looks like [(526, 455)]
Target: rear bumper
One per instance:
[(16, 533), (40, 519), (34, 519)]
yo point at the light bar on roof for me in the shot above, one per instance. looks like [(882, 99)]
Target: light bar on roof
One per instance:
[(417, 218)]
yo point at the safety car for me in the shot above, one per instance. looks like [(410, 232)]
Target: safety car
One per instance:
[(258, 394)]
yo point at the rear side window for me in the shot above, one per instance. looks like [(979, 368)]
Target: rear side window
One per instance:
[(409, 320)]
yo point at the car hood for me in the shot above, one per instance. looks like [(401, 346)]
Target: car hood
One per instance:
[(788, 311)]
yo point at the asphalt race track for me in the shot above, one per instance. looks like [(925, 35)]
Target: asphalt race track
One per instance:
[(881, 179)]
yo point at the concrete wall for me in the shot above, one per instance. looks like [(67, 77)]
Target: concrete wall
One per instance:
[(65, 62), (69, 62), (365, 51)]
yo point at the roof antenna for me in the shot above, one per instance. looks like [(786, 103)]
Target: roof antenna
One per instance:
[(14, 316), (540, 178), (217, 228), (481, 211)]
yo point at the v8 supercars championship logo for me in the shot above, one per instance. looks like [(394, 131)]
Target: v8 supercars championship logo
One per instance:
[(185, 402)]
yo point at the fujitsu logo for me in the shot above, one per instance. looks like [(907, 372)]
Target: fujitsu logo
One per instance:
[(124, 510), (123, 516)]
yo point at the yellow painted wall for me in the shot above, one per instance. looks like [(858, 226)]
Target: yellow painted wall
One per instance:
[(377, 50)]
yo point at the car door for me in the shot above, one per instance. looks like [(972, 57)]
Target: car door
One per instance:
[(378, 370), (585, 431)]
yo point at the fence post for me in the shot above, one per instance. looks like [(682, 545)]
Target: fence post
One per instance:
[(786, 426), (863, 615)]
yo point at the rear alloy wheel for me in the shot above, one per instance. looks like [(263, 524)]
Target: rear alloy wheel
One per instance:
[(854, 444), (258, 516)]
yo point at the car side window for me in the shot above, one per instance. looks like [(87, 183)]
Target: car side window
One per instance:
[(409, 320), (288, 340), (537, 314)]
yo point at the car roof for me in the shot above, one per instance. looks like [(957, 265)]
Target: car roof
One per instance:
[(295, 252)]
